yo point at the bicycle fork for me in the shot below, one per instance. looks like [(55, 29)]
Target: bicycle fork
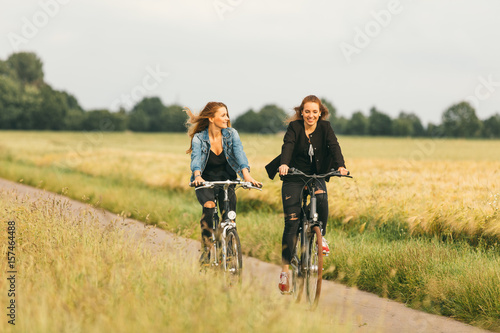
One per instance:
[(226, 226)]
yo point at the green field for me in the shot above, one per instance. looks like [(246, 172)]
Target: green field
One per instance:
[(419, 222), (73, 276)]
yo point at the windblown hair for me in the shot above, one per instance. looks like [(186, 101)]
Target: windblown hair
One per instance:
[(198, 123), (311, 98)]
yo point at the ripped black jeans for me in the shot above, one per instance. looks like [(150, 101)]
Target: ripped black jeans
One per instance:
[(205, 195), (291, 197)]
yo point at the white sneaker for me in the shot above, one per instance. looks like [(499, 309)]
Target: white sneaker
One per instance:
[(326, 249), (284, 284)]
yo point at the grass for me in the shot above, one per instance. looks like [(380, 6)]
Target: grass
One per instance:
[(438, 187), (73, 276), (418, 223), (454, 280)]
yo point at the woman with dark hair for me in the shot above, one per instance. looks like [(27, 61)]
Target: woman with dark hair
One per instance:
[(311, 146), (216, 154)]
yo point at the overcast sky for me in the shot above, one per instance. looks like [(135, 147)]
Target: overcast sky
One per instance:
[(407, 55)]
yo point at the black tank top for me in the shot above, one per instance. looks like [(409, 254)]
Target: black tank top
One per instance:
[(217, 168)]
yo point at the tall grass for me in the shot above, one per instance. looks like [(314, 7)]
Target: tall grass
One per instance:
[(417, 223), (454, 280), (74, 276), (438, 187)]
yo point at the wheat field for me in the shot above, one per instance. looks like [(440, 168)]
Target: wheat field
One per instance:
[(396, 229), (436, 186)]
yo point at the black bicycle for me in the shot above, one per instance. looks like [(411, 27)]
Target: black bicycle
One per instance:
[(307, 260), (225, 248)]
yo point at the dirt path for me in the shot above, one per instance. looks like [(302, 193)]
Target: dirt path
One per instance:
[(363, 311)]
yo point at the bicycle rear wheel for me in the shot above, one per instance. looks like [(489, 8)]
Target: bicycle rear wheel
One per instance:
[(233, 255), (314, 275)]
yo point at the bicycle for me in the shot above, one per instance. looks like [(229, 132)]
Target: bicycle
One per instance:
[(225, 248), (307, 259)]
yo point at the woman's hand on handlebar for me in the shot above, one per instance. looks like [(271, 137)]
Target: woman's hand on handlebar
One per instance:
[(198, 180), (253, 181), (248, 178), (343, 171), (283, 170)]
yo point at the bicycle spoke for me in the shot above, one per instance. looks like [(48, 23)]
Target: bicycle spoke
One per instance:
[(314, 268), (297, 285), (233, 256)]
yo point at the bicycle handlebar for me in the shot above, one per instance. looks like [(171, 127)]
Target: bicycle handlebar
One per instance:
[(334, 173), (211, 184)]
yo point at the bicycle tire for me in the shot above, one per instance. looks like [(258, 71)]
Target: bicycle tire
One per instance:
[(314, 274), (216, 254), (297, 286), (233, 255)]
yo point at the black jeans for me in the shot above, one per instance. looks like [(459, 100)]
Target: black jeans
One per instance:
[(208, 194), (291, 196)]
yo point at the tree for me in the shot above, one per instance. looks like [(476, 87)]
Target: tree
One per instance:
[(74, 120), (71, 101), (491, 126), (105, 121), (379, 123), (460, 120), (272, 118), (49, 114), (10, 102), (31, 107), (175, 118), (407, 124), (339, 125), (27, 67), (138, 121), (248, 122), (331, 109), (434, 130), (358, 124), (150, 112), (6, 70)]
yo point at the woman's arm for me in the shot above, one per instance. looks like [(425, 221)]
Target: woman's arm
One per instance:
[(334, 148), (241, 159), (239, 153), (196, 161), (288, 144)]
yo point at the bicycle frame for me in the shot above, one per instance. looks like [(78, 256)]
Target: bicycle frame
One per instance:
[(309, 234), (222, 229), (306, 226)]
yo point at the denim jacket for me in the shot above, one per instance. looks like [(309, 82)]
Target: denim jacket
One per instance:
[(233, 150)]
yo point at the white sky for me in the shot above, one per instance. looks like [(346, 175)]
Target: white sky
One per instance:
[(418, 56)]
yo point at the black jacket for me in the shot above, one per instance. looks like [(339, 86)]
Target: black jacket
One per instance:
[(327, 152)]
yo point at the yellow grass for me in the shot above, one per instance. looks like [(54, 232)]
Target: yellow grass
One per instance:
[(436, 186), (74, 276)]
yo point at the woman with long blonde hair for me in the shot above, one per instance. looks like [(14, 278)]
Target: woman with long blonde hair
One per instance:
[(216, 154)]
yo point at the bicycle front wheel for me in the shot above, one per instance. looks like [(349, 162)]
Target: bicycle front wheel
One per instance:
[(296, 268), (314, 274), (233, 255)]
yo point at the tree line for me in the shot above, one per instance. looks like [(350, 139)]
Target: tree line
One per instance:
[(27, 102), (458, 121)]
